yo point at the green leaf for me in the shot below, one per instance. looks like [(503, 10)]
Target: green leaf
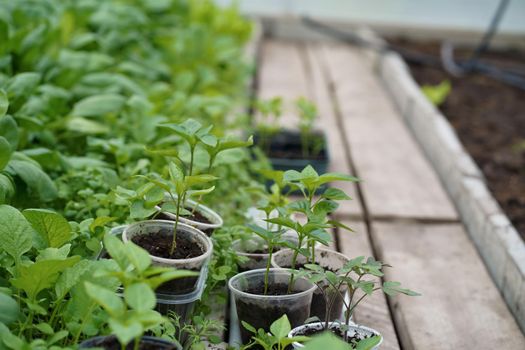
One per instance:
[(4, 103), (137, 256), (331, 177), (41, 275), (44, 328), (7, 189), (9, 130), (176, 172), (248, 327), (51, 226), (335, 194), (23, 84), (140, 297), (106, 298), (71, 276), (126, 332), (86, 126), (281, 327), (54, 253), (115, 248), (9, 310), (368, 343), (98, 105), (5, 152), (37, 180), (326, 341), (139, 210), (393, 288), (15, 232), (199, 179)]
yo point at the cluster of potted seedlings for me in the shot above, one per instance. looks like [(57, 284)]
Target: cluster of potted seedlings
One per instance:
[(286, 275)]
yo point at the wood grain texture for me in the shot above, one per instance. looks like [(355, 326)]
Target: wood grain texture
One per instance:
[(373, 312), (327, 121), (282, 74), (460, 307), (397, 179)]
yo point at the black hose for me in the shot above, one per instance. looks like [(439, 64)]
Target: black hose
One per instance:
[(473, 64)]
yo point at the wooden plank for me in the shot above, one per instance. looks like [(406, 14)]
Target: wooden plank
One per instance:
[(461, 307), (282, 74), (327, 121), (374, 311), (397, 179)]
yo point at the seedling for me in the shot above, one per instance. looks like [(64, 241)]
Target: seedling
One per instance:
[(307, 114), (277, 339), (270, 112), (361, 278), (316, 211), (131, 316)]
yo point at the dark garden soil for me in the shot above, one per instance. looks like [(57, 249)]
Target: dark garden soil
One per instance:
[(159, 244), (262, 316), (111, 343), (489, 117)]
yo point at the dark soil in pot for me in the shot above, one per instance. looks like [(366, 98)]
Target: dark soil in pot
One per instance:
[(318, 306), (489, 117), (111, 343), (159, 244), (262, 317)]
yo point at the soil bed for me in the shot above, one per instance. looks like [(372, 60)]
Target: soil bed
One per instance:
[(489, 117)]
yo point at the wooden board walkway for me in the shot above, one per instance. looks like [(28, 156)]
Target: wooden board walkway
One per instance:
[(400, 210)]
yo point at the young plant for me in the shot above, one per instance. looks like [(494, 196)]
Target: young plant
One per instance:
[(277, 339), (131, 316), (307, 114), (361, 278), (270, 113), (315, 210)]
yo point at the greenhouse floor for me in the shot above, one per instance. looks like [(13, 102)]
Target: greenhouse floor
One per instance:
[(400, 212)]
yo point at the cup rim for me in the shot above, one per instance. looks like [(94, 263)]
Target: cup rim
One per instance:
[(275, 271), (334, 324), (209, 213), (188, 228), (320, 249)]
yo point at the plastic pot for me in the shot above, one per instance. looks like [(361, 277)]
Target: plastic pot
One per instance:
[(354, 330), (105, 341), (260, 310), (329, 260), (253, 249), (182, 285), (181, 304), (285, 152), (215, 220)]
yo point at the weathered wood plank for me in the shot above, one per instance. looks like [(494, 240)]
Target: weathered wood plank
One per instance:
[(282, 74), (397, 180), (460, 307), (327, 121), (374, 311)]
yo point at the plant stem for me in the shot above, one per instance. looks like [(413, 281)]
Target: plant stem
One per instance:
[(136, 343), (174, 242), (294, 261), (268, 264), (86, 317), (192, 152)]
